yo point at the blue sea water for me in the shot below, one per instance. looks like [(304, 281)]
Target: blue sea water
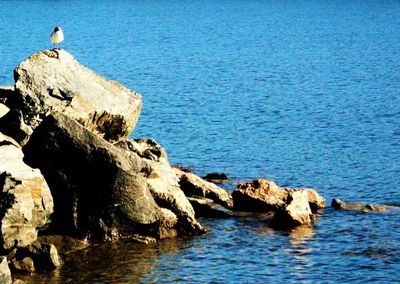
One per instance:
[(306, 93)]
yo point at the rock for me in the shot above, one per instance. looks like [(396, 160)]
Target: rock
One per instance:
[(295, 212), (193, 186), (5, 273), (205, 207), (259, 195), (52, 80), (3, 110), (315, 200), (163, 183), (182, 168), (99, 190), (37, 256), (265, 195), (24, 265), (339, 204), (13, 125), (216, 177), (64, 244), (25, 199)]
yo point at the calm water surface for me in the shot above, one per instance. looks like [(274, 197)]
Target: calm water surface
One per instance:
[(306, 93)]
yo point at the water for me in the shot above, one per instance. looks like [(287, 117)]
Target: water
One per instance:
[(306, 93)]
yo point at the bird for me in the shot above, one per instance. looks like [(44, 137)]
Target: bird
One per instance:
[(57, 36)]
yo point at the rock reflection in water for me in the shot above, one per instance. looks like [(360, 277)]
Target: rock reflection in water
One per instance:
[(116, 262), (300, 251)]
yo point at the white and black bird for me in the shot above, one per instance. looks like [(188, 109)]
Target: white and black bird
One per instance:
[(57, 36)]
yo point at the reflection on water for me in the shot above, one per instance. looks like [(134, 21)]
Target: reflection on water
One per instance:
[(299, 250), (116, 262)]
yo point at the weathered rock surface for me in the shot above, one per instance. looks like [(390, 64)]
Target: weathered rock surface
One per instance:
[(3, 109), (295, 212), (195, 186), (25, 199), (163, 182), (259, 195), (315, 200), (264, 195), (52, 80), (339, 204), (99, 190), (5, 273)]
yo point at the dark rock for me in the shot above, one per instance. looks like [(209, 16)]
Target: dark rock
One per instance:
[(163, 183), (195, 186), (13, 125), (37, 256), (216, 177), (24, 265), (25, 199), (64, 244), (99, 190), (7, 96), (339, 204), (5, 273), (295, 212), (52, 80)]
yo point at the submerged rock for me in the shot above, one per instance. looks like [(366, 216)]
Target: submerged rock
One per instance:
[(363, 207), (99, 190), (25, 199), (52, 80), (216, 177)]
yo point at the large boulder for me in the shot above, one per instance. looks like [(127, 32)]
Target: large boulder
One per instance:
[(99, 190), (163, 182), (25, 199), (52, 80)]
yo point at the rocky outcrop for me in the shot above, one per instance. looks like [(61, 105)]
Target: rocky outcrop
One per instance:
[(295, 212), (195, 186), (52, 80), (363, 207), (26, 201), (163, 182), (99, 190), (264, 195)]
